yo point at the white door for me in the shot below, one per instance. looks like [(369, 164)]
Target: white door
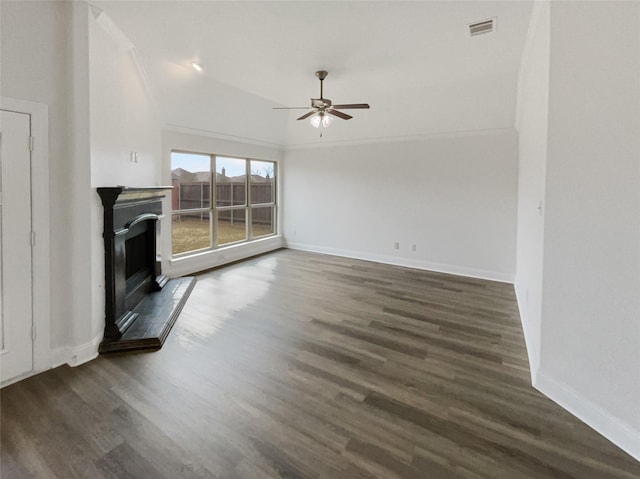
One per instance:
[(16, 308)]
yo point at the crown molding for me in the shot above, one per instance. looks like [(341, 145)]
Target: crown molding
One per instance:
[(335, 143), (221, 136), (398, 139)]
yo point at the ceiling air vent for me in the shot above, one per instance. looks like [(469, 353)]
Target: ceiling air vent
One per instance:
[(480, 28)]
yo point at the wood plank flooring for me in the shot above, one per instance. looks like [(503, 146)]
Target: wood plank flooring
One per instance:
[(297, 365)]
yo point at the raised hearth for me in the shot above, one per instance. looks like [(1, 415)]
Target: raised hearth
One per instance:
[(141, 303)]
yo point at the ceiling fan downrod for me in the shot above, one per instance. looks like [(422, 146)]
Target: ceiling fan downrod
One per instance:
[(321, 74)]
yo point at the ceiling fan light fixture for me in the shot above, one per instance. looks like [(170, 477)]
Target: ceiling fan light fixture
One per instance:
[(315, 121), (321, 119)]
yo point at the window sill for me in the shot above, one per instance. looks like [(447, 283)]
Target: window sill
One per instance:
[(204, 260)]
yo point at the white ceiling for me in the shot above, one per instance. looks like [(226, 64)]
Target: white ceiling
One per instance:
[(413, 62)]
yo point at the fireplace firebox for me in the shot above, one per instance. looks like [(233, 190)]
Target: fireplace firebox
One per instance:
[(141, 304)]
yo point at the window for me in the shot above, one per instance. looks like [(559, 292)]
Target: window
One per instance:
[(262, 197), (240, 207)]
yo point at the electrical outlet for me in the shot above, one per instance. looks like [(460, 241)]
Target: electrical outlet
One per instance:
[(413, 248), (396, 245)]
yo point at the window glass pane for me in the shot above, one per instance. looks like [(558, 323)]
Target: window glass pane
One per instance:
[(231, 226), (262, 182), (190, 231), (191, 181), (231, 181), (262, 221), (193, 227)]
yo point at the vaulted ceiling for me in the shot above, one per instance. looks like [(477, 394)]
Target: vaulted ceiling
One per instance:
[(413, 62)]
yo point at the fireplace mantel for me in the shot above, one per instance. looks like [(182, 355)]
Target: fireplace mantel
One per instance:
[(135, 288), (121, 194)]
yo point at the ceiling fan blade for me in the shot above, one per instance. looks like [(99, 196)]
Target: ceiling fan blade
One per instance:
[(306, 115), (339, 114), (352, 105), (290, 108)]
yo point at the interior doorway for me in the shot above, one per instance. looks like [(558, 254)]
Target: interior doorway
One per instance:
[(25, 311), (16, 288)]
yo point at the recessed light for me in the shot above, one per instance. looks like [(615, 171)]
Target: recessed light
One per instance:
[(197, 66)]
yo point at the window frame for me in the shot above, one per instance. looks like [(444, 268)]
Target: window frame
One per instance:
[(213, 210)]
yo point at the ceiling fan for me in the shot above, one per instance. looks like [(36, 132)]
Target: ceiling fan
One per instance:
[(322, 108)]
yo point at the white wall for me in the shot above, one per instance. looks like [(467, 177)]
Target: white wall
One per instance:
[(79, 347), (453, 196), (181, 139), (35, 63), (578, 267), (531, 122), (590, 351), (124, 117)]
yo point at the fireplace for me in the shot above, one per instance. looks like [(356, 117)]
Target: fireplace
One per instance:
[(140, 259), (141, 304)]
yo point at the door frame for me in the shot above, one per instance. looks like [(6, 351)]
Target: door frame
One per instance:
[(40, 252)]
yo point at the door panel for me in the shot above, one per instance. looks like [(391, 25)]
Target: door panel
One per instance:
[(16, 317)]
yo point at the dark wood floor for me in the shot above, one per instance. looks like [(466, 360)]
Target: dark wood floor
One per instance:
[(296, 365)]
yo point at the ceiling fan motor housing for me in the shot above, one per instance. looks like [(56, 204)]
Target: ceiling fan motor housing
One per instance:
[(321, 103)]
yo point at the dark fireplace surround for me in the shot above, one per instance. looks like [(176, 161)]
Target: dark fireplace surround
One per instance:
[(141, 304)]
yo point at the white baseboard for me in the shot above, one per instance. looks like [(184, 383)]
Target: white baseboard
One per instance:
[(532, 350), (18, 378), (619, 433), (75, 356), (615, 430), (406, 262)]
